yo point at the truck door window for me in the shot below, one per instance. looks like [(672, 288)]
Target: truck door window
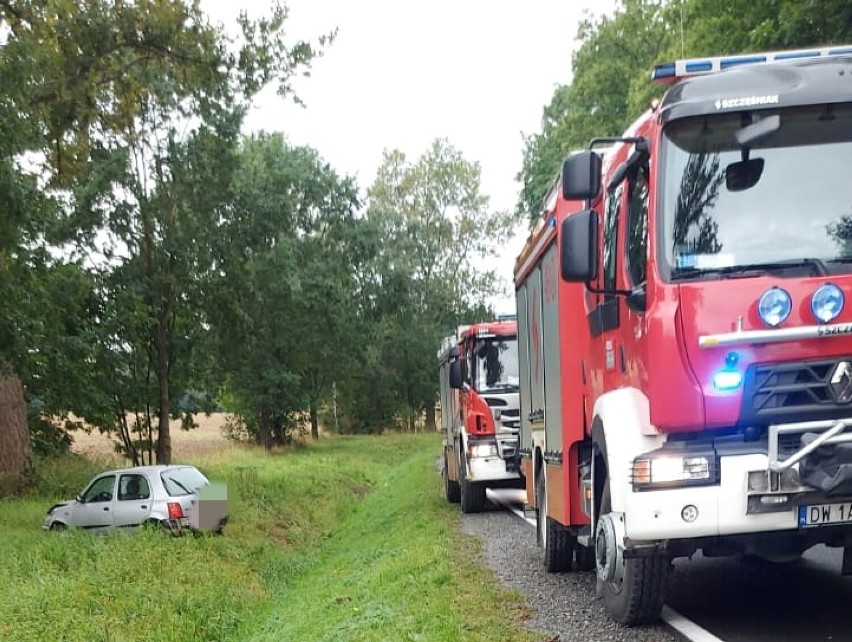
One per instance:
[(613, 204), (605, 316), (637, 227)]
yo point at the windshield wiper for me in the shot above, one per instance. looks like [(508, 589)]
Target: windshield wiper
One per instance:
[(746, 269), (177, 483)]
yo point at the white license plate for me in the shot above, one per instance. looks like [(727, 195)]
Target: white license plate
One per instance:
[(820, 514)]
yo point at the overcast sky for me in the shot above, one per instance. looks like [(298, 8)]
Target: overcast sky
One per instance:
[(402, 73)]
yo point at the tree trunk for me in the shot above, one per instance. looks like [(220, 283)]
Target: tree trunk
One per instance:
[(430, 415), (264, 433), (412, 427), (14, 432), (314, 420), (164, 438)]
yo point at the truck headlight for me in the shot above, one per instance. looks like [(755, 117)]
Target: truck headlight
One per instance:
[(672, 470), (482, 450)]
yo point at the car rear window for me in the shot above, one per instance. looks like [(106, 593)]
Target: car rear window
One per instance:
[(182, 481)]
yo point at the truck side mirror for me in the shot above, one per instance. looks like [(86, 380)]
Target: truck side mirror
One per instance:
[(579, 246), (456, 375), (581, 176)]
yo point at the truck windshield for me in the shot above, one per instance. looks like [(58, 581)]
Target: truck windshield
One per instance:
[(496, 364), (779, 202)]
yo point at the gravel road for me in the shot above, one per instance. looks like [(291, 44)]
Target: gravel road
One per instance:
[(563, 604)]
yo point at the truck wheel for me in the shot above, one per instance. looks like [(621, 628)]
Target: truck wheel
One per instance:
[(451, 487), (585, 556), (636, 597), (472, 495), (556, 543)]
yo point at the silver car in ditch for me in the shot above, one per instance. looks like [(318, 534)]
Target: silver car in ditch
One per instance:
[(127, 498)]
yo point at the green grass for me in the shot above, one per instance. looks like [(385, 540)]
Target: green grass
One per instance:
[(349, 539)]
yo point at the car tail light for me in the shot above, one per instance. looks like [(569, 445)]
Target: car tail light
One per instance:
[(175, 511)]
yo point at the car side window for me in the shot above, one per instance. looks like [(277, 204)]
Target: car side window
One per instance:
[(133, 487), (101, 490)]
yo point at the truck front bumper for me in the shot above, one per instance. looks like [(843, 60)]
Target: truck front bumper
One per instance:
[(756, 493), (485, 469)]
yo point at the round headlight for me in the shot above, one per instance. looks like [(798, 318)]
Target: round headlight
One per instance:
[(774, 306), (827, 302)]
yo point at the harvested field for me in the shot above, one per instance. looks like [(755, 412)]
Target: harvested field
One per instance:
[(186, 444)]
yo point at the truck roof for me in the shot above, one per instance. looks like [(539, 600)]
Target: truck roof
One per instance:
[(765, 85), (500, 328), (504, 326)]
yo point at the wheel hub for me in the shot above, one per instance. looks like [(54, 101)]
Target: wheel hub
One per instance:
[(609, 547)]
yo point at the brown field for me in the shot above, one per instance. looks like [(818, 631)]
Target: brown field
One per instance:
[(186, 444)]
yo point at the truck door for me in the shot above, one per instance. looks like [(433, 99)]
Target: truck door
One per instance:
[(604, 317), (635, 273)]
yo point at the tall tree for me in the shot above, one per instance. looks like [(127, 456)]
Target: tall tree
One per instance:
[(283, 285), (437, 232), (108, 95), (610, 85)]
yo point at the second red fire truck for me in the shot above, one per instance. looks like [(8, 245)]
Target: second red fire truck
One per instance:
[(685, 348), (480, 418)]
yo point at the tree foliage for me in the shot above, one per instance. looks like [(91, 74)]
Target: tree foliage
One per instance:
[(117, 117), (282, 291), (611, 86), (434, 232)]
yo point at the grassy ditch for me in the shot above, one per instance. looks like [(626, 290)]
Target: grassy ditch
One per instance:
[(345, 540)]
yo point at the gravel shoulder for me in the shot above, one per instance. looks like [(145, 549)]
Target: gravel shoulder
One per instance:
[(563, 605)]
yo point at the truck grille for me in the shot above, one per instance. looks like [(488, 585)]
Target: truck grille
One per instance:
[(794, 391), (511, 418)]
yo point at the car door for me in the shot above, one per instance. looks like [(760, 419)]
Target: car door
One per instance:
[(134, 500), (95, 511)]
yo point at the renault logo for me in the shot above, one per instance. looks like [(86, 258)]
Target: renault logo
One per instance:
[(841, 382)]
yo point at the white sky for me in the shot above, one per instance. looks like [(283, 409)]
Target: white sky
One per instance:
[(402, 73)]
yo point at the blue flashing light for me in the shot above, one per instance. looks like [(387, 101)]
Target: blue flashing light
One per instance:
[(665, 70), (774, 306), (695, 66), (794, 55), (745, 60), (551, 222), (727, 379), (827, 302), (670, 72)]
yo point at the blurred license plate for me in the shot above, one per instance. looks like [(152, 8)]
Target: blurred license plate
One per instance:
[(820, 514)]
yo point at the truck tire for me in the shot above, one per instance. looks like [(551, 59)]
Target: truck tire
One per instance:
[(585, 557), (451, 487), (554, 540), (639, 596), (472, 495)]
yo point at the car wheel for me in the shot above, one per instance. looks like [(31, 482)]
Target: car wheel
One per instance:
[(220, 528), (58, 526), (159, 525)]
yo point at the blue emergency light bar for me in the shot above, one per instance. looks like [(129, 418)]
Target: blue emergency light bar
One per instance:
[(670, 72)]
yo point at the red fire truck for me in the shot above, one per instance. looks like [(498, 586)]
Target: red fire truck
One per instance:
[(685, 350), (480, 417)]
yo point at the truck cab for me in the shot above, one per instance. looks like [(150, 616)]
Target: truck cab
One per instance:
[(480, 415)]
